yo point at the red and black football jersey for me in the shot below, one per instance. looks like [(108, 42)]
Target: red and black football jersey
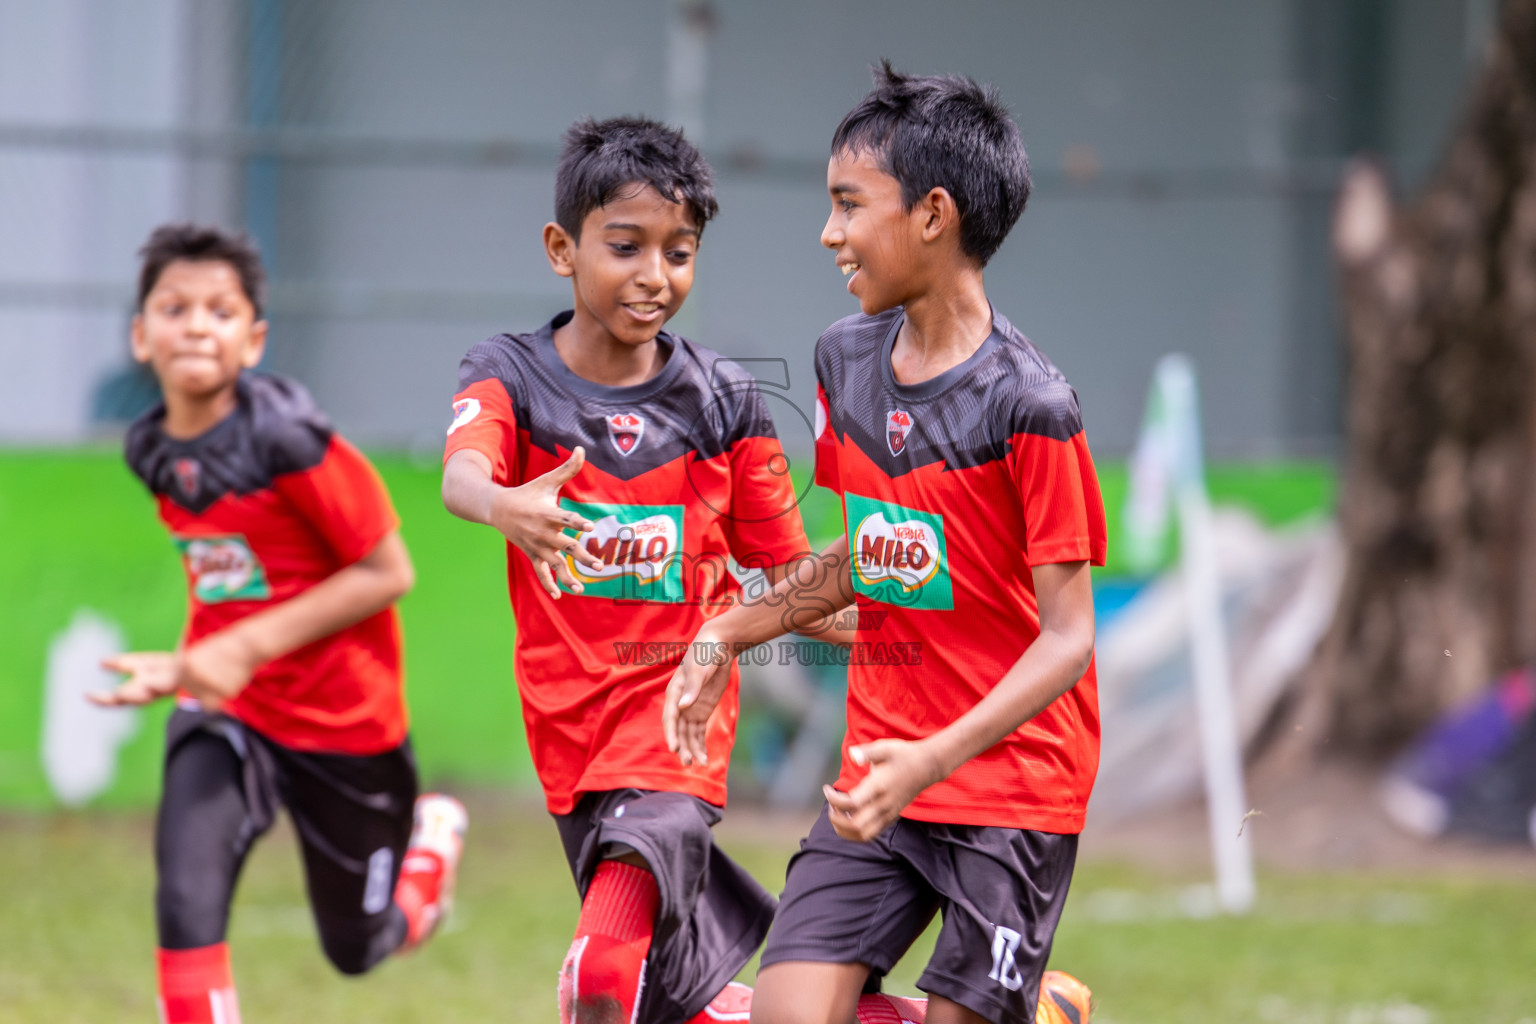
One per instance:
[(262, 507), (682, 473), (953, 489)]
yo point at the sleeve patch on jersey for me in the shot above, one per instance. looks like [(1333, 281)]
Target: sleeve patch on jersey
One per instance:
[(224, 568), (898, 554), (464, 410)]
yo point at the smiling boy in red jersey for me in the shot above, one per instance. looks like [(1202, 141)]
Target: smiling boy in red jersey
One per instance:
[(289, 669), (973, 513), (661, 460)]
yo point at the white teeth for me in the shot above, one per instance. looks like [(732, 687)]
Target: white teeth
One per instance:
[(645, 307), (848, 268)]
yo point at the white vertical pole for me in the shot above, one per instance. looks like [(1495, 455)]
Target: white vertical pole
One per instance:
[(1220, 748), (688, 32)]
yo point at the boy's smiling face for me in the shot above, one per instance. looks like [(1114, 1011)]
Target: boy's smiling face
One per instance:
[(198, 328), (875, 237), (633, 266)]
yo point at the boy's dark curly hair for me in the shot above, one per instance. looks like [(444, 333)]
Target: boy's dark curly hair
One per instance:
[(945, 131), (600, 159), (205, 244)]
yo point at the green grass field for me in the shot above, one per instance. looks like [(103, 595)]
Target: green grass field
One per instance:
[(1332, 949)]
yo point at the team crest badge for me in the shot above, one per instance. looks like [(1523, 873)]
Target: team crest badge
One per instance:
[(464, 410), (188, 476), (625, 429), (898, 425)]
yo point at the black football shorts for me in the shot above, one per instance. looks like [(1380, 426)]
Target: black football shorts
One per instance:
[(1000, 891), (224, 784), (713, 915)]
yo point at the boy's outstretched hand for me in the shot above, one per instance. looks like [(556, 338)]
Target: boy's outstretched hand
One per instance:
[(898, 771), (692, 693), (151, 675), (214, 671), (531, 518)]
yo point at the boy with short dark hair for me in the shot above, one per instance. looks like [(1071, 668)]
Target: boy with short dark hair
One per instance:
[(973, 513), (626, 466), (288, 675)]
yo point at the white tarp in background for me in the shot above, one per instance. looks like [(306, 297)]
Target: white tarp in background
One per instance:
[(81, 740), (1278, 591)]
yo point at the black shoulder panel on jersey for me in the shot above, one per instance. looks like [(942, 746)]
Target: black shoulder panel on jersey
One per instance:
[(291, 432), (500, 358), (699, 403), (1048, 409), (743, 412), (966, 417), (276, 428)]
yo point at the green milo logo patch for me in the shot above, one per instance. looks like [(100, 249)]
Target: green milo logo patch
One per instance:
[(898, 554), (224, 568), (641, 548)]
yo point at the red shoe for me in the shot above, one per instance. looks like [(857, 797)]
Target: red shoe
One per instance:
[(431, 865), (1063, 1000)]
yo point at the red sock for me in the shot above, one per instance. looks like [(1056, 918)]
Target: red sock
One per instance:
[(417, 892), (196, 986), (605, 968)]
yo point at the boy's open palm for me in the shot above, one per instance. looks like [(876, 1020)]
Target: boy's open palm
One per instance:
[(692, 694), (531, 518)]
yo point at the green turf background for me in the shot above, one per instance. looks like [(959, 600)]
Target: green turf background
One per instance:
[(79, 531)]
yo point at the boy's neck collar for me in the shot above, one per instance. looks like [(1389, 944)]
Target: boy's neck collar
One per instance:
[(187, 419), (611, 364), (944, 327), (550, 354), (948, 374)]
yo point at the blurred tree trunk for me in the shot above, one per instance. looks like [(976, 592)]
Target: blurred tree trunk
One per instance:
[(1438, 508)]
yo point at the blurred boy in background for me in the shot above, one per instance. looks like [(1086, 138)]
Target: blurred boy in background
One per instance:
[(288, 677)]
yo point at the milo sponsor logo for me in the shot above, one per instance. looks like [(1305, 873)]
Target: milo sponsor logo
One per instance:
[(640, 548), (223, 568), (898, 554)]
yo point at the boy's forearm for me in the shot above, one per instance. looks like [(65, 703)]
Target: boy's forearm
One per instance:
[(468, 488), (812, 589), (346, 597)]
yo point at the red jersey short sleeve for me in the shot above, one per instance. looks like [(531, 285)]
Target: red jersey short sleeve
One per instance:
[(1063, 510), (764, 526), (484, 420), (826, 444), (344, 499)]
